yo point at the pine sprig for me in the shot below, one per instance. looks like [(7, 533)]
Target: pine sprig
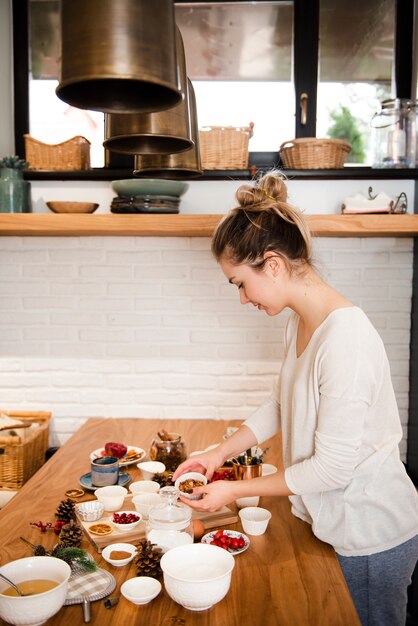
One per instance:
[(76, 558)]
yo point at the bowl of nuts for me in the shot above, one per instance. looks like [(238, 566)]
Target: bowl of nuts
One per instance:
[(187, 482), (126, 520)]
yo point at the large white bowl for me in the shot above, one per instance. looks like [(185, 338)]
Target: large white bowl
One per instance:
[(112, 497), (197, 575), (34, 609)]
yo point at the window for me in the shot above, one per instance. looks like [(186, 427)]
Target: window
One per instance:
[(356, 65), (249, 61)]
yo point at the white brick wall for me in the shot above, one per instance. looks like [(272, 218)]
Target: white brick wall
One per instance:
[(121, 326)]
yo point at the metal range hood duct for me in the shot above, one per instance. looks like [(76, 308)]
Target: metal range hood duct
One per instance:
[(162, 132), (179, 166), (119, 56)]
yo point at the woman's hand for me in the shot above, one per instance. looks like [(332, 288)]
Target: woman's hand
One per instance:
[(205, 463), (216, 495)]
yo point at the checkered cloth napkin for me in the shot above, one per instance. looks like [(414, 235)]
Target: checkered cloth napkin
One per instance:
[(96, 584)]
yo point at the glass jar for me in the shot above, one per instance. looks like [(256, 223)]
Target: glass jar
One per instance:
[(170, 523), (170, 452), (14, 191), (394, 134)]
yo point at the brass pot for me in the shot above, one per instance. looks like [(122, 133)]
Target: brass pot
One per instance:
[(119, 55), (245, 472), (179, 166), (163, 132)]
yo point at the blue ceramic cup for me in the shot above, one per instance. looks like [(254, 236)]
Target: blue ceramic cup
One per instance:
[(105, 471)]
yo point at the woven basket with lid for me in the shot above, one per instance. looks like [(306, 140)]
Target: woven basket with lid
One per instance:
[(310, 153)]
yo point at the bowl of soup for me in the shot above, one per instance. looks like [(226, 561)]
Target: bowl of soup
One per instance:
[(45, 581)]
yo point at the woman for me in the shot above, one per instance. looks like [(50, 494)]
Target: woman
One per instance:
[(334, 405)]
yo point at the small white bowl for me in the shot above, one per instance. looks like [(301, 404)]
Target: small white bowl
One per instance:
[(249, 501), (90, 511), (112, 497), (267, 469), (122, 547), (254, 520), (190, 476), (126, 527), (144, 502), (141, 589), (144, 486), (150, 468)]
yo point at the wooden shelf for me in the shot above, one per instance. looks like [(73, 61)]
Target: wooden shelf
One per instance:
[(104, 225)]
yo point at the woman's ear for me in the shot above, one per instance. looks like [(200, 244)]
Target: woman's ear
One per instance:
[(273, 262)]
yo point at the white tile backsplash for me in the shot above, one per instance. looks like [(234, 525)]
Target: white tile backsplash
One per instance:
[(149, 327)]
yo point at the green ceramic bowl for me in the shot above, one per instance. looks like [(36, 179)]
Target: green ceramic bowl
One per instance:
[(149, 186)]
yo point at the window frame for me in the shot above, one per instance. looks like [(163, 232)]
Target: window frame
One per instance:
[(305, 51)]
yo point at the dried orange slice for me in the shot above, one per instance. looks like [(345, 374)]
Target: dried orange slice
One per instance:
[(100, 529), (74, 493)]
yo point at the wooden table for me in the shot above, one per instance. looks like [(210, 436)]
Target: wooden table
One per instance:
[(286, 578)]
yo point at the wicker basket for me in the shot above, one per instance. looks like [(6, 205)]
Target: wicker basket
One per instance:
[(310, 153), (73, 154), (225, 147), (20, 459)]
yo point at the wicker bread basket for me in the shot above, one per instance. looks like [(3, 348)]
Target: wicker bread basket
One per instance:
[(73, 154), (310, 153), (22, 457), (225, 147)]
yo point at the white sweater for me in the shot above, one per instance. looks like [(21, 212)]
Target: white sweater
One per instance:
[(341, 429)]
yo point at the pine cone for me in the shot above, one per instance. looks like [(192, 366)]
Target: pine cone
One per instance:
[(165, 479), (71, 535), (148, 558), (66, 511)]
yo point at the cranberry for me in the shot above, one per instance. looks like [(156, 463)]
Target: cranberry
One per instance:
[(125, 518)]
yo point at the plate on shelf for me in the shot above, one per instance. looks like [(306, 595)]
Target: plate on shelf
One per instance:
[(235, 534), (85, 481), (134, 455)]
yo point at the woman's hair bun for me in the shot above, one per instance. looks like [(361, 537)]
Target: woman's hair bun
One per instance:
[(269, 188), (273, 184)]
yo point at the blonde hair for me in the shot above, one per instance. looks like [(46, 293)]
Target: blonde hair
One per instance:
[(263, 222)]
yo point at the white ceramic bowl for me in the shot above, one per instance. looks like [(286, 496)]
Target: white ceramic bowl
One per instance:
[(111, 497), (38, 608), (248, 501), (254, 520), (124, 528), (267, 469), (140, 590), (90, 511), (150, 468), (144, 502), (121, 547), (197, 575), (190, 476), (144, 486)]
